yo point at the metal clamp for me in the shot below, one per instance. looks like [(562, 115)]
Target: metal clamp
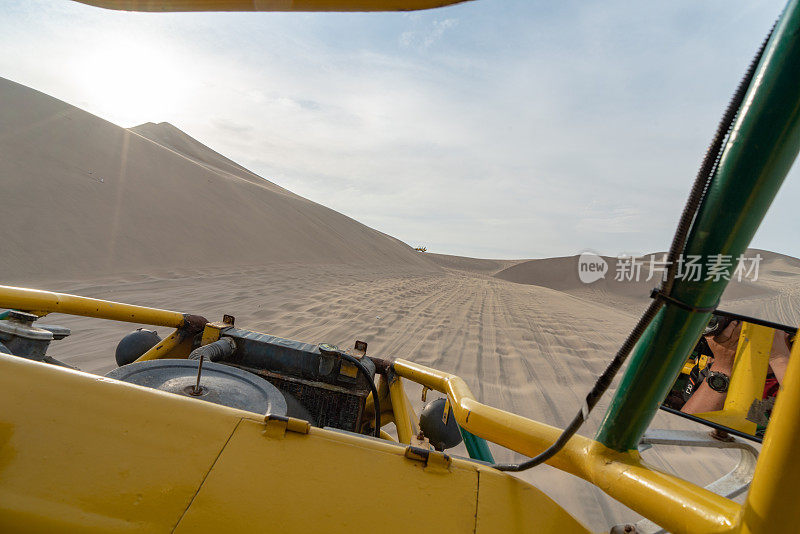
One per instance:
[(433, 460), (278, 425)]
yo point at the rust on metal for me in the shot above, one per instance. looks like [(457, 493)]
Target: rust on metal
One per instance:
[(360, 348), (381, 365), (193, 324)]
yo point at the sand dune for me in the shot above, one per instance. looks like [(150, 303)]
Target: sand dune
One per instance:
[(476, 265), (82, 195), (151, 216), (778, 280)]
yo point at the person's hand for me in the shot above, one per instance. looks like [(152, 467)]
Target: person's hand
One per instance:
[(724, 345)]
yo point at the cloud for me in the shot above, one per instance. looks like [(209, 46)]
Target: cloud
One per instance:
[(422, 38), (232, 127)]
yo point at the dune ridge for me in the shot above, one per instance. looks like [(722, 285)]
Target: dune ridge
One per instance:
[(82, 195), (777, 283)]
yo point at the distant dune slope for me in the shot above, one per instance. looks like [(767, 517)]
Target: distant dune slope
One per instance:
[(474, 265), (82, 196), (774, 295)]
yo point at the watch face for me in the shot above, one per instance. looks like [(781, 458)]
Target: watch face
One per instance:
[(718, 382)]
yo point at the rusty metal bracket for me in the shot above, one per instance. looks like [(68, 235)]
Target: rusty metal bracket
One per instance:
[(278, 425), (360, 349), (193, 324), (228, 319)]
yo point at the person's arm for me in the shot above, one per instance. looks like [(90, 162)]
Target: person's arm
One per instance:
[(723, 345), (779, 355)]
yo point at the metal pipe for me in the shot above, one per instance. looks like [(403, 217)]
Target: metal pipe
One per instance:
[(23, 299), (622, 475), (269, 5), (402, 420), (162, 349), (761, 149), (476, 446)]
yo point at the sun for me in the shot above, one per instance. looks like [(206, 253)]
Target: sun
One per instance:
[(128, 81)]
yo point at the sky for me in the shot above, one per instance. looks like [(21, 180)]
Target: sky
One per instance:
[(493, 128)]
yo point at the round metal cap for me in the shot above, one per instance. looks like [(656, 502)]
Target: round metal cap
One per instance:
[(220, 384)]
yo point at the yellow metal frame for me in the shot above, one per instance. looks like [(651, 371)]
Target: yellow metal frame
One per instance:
[(673, 503), (772, 504), (44, 302), (163, 348), (270, 5), (652, 493)]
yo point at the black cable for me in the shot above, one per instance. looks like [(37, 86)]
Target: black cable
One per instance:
[(697, 194), (371, 383)]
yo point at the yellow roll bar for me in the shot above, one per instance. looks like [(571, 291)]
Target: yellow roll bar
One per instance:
[(772, 504), (402, 417), (162, 348), (44, 302), (269, 5), (622, 475)]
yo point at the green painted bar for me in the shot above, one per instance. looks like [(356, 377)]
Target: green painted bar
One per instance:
[(762, 147), (476, 446)]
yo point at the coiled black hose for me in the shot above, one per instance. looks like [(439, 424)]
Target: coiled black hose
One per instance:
[(705, 176)]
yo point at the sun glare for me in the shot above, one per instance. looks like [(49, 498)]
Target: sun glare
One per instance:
[(131, 82)]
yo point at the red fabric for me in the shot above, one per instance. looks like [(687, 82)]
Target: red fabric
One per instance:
[(771, 387)]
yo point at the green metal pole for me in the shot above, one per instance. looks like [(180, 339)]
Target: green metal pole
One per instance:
[(762, 147), (476, 446)]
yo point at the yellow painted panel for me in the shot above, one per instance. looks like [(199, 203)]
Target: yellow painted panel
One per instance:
[(507, 504), (328, 481), (82, 453), (325, 481)]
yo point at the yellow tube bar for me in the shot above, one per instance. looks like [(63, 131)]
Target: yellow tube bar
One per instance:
[(402, 419), (269, 5), (623, 476), (47, 301), (772, 503), (162, 348)]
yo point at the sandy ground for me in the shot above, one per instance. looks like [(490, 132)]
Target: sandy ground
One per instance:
[(150, 216)]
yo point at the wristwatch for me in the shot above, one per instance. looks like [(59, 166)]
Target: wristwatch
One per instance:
[(718, 381)]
